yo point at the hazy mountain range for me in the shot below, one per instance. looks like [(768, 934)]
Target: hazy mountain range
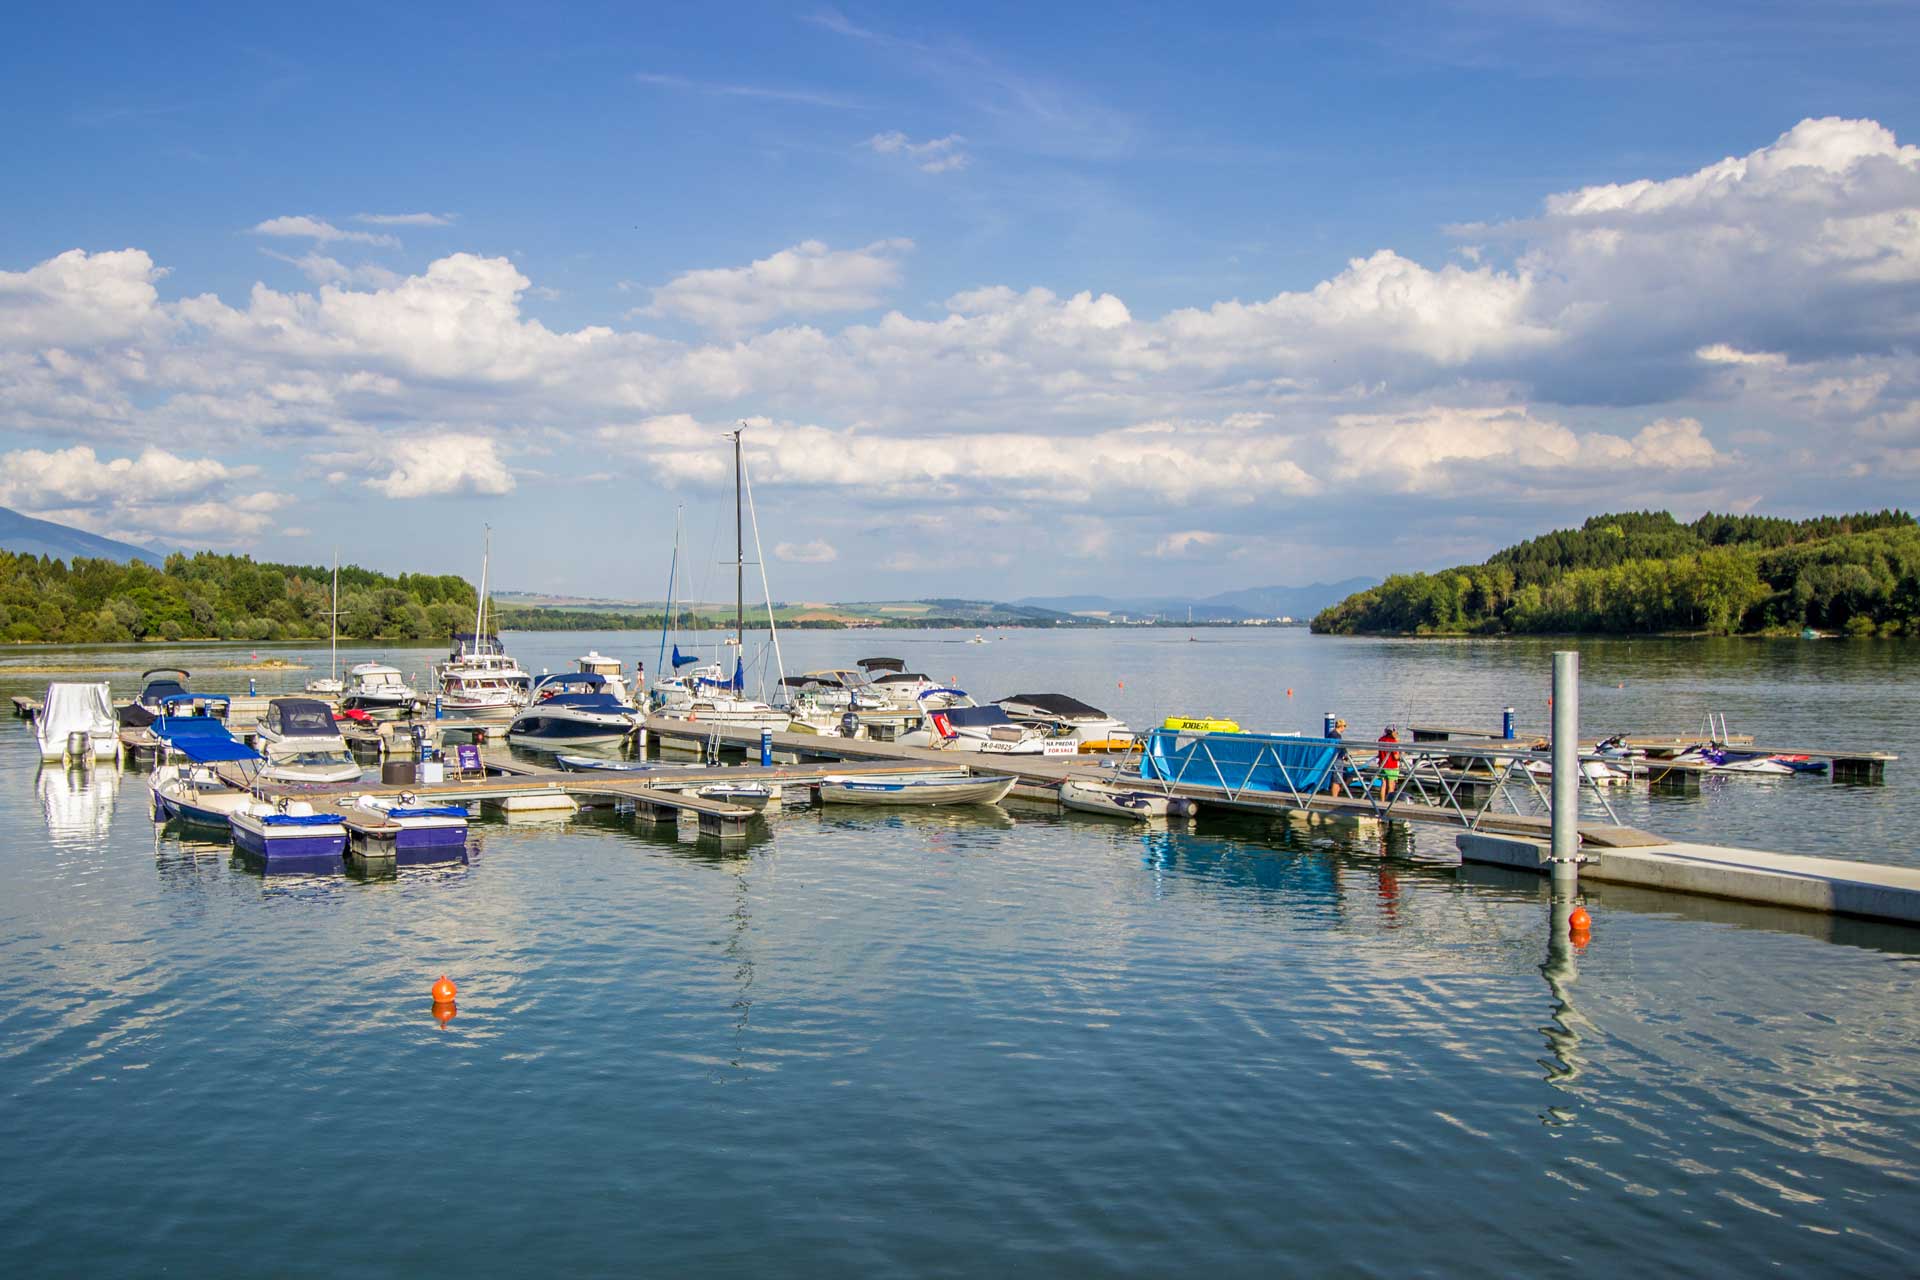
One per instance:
[(25, 535), (1226, 606)]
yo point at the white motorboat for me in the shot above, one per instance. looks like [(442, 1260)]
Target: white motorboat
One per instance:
[(301, 743), (818, 700), (1597, 772), (614, 672), (1062, 717), (76, 723), (923, 789), (379, 688), (478, 681), (1087, 796), (573, 709), (952, 722)]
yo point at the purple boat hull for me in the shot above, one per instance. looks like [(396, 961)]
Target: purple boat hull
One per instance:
[(292, 852), (430, 844)]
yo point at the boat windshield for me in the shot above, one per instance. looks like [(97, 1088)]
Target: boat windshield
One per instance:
[(317, 759)]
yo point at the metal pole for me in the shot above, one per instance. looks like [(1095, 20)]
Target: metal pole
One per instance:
[(739, 558), (1566, 766)]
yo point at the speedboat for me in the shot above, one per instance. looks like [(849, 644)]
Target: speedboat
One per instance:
[(614, 672), (76, 723), (479, 680), (289, 836), (301, 743), (573, 709), (420, 833), (379, 688), (158, 687), (1090, 728), (923, 789), (953, 723), (1088, 796), (190, 786)]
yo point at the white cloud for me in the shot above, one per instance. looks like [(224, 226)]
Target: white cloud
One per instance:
[(407, 219), (819, 551), (79, 299), (429, 466), (321, 269), (807, 279), (1423, 451), (1184, 543), (307, 227), (38, 479), (936, 155)]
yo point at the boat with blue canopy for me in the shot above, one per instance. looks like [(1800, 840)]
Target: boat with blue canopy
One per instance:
[(572, 709), (190, 786)]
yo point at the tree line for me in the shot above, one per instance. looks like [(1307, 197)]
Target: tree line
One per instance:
[(1645, 572), (219, 597)]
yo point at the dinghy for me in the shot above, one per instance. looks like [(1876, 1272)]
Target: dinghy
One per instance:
[(290, 836), (589, 764), (923, 790), (752, 795), (1087, 796)]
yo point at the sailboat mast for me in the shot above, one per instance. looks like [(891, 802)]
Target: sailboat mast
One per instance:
[(480, 609), (739, 554), (334, 631)]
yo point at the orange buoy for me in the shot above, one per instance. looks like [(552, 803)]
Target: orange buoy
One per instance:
[(1289, 693), (444, 990), (1579, 921)]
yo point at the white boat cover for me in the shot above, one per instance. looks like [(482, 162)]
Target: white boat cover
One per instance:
[(70, 706)]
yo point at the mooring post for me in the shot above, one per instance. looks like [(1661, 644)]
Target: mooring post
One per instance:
[(1566, 771)]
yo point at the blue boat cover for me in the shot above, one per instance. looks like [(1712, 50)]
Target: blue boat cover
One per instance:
[(1239, 761), (202, 739), (565, 679), (441, 811), (584, 701), (682, 659), (299, 820)]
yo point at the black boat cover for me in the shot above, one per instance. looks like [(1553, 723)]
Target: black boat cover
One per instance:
[(881, 664), (1058, 704)]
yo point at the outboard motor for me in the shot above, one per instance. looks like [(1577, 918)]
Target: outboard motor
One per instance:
[(849, 725), (79, 746)]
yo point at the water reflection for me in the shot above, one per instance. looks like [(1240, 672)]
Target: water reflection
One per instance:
[(78, 803), (1561, 969)]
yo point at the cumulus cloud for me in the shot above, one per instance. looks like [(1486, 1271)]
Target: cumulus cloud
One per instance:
[(79, 299), (936, 155), (1428, 450), (154, 493), (808, 279), (306, 226), (819, 551), (321, 269), (429, 466)]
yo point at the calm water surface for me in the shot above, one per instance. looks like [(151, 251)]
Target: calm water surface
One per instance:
[(1005, 1042)]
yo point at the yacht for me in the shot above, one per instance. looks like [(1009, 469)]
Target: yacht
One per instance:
[(478, 680), (377, 687), (573, 709), (1063, 717), (953, 722), (889, 680), (301, 743)]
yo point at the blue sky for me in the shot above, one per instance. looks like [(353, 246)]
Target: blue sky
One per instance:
[(1017, 300)]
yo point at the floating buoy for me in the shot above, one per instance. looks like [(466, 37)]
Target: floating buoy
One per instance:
[(1289, 693), (1579, 921), (444, 990)]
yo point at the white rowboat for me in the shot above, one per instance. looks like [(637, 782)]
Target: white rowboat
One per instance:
[(947, 789), (1123, 802)]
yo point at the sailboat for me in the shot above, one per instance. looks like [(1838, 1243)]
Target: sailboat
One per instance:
[(331, 686), (478, 679), (711, 693)]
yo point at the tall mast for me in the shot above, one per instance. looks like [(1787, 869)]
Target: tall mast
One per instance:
[(480, 609), (335, 629), (739, 556)]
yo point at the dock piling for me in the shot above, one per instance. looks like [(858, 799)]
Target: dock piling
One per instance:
[(1566, 769)]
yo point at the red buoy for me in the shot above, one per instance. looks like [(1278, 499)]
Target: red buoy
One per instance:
[(1579, 921), (444, 990)]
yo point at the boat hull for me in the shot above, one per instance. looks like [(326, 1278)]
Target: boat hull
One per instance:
[(914, 792), (299, 848), (548, 728), (1122, 802)]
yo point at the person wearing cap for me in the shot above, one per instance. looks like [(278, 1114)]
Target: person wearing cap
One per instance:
[(1334, 787), (1389, 762)]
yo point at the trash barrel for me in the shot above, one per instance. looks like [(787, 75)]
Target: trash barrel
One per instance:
[(399, 773)]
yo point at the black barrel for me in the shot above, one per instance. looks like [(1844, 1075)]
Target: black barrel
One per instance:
[(399, 773)]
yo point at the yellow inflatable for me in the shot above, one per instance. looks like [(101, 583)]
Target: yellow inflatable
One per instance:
[(1200, 724)]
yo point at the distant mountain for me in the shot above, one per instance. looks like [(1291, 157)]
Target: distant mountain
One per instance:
[(1226, 606), (25, 535)]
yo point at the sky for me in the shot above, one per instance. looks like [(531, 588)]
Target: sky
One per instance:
[(1014, 300)]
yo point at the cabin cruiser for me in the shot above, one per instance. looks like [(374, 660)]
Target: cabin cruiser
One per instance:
[(301, 743), (572, 709), (376, 688), (76, 723), (1062, 717), (952, 722), (478, 680), (614, 672)]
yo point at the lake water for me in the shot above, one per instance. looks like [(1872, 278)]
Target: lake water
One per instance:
[(977, 1044)]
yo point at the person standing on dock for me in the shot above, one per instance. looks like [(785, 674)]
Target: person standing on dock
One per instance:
[(1334, 785), (1389, 762)]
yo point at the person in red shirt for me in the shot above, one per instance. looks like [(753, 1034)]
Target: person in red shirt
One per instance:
[(1389, 762)]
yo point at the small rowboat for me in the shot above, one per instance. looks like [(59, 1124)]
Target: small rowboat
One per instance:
[(1123, 802), (754, 795), (942, 789), (590, 764)]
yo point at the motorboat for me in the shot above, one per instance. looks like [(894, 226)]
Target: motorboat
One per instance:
[(379, 688), (819, 700), (614, 672), (923, 789), (479, 681), (572, 709), (288, 835), (195, 794), (597, 764), (158, 687), (710, 695), (1722, 759), (76, 723), (1060, 716), (889, 681), (752, 795), (420, 833), (952, 722), (331, 686), (1088, 796), (1600, 773), (302, 743)]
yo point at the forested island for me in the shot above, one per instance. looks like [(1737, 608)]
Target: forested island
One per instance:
[(1646, 573)]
